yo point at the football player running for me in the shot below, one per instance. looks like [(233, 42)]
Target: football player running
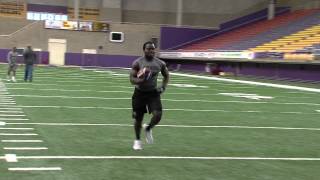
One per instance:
[(146, 96)]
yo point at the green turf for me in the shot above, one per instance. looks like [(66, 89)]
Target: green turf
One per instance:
[(104, 97)]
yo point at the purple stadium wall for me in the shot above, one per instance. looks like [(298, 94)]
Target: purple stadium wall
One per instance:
[(42, 56), (173, 36), (79, 59)]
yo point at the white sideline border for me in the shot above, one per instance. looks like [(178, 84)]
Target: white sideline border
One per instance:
[(249, 82)]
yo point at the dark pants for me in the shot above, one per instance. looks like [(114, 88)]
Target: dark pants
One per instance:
[(143, 102), (28, 73)]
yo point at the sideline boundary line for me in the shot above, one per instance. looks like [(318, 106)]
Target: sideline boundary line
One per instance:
[(249, 82)]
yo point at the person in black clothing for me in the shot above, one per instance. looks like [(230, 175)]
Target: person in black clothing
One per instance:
[(30, 58), (146, 96)]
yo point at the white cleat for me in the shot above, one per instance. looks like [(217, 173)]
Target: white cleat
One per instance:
[(14, 79), (149, 137), (137, 145)]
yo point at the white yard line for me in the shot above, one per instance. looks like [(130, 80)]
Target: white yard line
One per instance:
[(176, 109), (80, 85), (72, 90), (22, 134), (10, 108), (17, 128), (18, 112), (171, 100), (72, 97), (12, 115), (20, 141), (35, 169), (174, 126), (67, 90), (75, 107), (25, 148), (13, 119), (7, 103), (249, 82), (171, 157), (298, 92)]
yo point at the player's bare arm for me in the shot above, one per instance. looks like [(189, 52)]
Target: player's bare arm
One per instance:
[(133, 75), (165, 74)]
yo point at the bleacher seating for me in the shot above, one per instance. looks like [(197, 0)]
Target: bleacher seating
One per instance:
[(293, 42), (255, 34), (13, 9), (311, 19), (85, 14)]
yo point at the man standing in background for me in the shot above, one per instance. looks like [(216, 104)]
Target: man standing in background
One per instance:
[(12, 62), (30, 58)]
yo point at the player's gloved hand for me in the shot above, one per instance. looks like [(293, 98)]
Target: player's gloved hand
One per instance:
[(161, 89)]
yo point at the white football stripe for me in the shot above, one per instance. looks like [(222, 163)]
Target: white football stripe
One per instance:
[(36, 169), (25, 148), (170, 157), (22, 141)]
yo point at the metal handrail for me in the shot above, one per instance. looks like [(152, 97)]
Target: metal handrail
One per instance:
[(19, 30)]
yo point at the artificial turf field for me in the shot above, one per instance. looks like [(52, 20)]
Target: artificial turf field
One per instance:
[(77, 123)]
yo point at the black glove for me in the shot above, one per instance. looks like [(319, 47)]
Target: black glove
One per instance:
[(161, 89)]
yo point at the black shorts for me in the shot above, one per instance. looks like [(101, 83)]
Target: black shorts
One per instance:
[(143, 102)]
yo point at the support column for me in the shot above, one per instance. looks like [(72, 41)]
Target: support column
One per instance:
[(76, 10), (179, 12), (271, 9)]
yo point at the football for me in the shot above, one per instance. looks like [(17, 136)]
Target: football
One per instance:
[(144, 73)]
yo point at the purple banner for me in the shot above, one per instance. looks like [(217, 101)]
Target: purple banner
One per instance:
[(47, 8)]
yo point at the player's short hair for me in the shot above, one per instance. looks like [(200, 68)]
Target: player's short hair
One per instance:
[(146, 43)]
